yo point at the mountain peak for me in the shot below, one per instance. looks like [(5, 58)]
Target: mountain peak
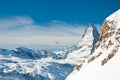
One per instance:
[(104, 60), (90, 30), (85, 46), (90, 36), (90, 25)]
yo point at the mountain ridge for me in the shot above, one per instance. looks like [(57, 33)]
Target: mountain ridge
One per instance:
[(28, 64), (104, 62), (88, 39)]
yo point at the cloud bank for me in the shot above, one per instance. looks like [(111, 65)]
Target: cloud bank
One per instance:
[(23, 31)]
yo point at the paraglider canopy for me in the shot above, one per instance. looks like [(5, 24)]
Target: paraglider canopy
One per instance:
[(56, 43)]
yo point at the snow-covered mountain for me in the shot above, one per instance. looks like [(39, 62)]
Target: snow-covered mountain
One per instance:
[(62, 54), (27, 53), (85, 46), (104, 63), (28, 64)]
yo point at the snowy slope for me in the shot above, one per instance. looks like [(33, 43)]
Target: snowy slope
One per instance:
[(115, 18), (85, 46), (15, 68), (27, 64), (103, 64)]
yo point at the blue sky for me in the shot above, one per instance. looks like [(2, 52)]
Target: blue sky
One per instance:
[(73, 11), (34, 23)]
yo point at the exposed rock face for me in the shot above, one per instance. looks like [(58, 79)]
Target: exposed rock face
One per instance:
[(110, 27), (104, 62), (106, 32), (110, 34)]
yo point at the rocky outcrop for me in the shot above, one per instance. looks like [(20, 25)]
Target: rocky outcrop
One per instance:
[(104, 61), (109, 28)]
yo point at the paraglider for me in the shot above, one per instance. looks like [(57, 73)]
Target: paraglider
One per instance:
[(56, 43)]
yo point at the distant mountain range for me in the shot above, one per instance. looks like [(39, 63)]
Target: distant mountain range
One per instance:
[(96, 57), (28, 64)]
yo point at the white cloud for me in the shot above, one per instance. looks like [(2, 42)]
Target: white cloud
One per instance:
[(23, 31), (14, 22)]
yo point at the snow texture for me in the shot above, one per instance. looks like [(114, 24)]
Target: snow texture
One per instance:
[(28, 64), (96, 70)]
